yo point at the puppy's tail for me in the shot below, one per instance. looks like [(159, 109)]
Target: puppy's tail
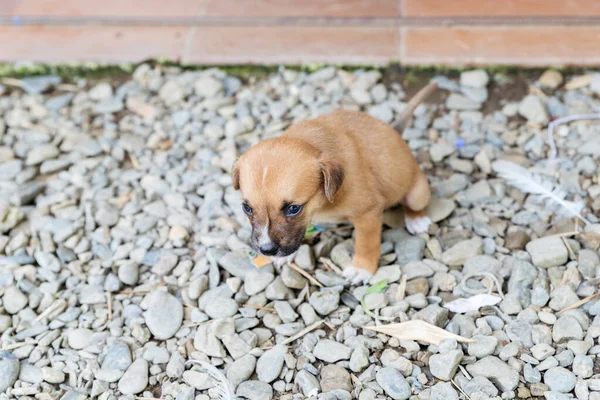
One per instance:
[(413, 103)]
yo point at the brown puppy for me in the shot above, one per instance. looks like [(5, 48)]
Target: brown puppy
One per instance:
[(344, 166)]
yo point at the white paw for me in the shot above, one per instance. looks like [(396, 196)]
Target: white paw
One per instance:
[(356, 275), (417, 225), (281, 261)]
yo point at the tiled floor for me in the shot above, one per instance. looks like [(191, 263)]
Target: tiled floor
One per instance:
[(372, 37)]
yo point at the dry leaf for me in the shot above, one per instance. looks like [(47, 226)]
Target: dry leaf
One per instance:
[(472, 304), (419, 331)]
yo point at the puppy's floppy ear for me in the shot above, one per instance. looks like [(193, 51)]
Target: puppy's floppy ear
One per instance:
[(235, 174), (333, 177)]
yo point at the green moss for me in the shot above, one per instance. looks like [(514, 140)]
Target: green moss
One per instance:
[(98, 71)]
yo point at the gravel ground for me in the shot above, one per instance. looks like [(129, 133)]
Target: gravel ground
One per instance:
[(123, 245)]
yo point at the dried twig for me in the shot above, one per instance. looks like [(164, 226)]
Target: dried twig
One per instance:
[(305, 274), (401, 292), (460, 389), (565, 234), (580, 302), (259, 307), (17, 345), (464, 371), (303, 332), (331, 265), (133, 291), (141, 291), (109, 303), (571, 252), (53, 307)]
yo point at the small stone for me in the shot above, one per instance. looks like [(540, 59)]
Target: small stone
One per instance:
[(482, 346), (440, 209), (241, 369), (589, 261), (165, 264), (330, 351), (462, 251), (178, 232), (52, 375), (548, 252), (305, 258), (390, 273), (583, 366), (560, 379), (562, 297), (176, 365), (14, 300), (441, 150), (391, 358), (9, 370), (308, 383), (532, 108), (39, 84), (254, 390), (207, 86), (443, 391), (41, 153), (567, 328), (129, 273), (531, 374), (393, 383), (324, 303), (334, 377), (460, 102), (164, 314), (100, 91), (269, 365), (80, 338), (221, 307), (171, 93), (541, 351), (477, 78), (551, 79), (516, 240), (433, 314), (375, 301), (359, 359), (444, 366), (292, 279), (135, 379), (500, 373), (256, 281)]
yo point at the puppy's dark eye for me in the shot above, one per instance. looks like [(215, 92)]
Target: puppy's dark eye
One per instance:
[(293, 210), (246, 208)]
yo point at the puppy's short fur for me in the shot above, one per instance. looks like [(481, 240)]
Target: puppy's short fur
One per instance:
[(344, 166)]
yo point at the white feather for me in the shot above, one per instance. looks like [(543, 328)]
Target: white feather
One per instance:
[(528, 182), (224, 387)]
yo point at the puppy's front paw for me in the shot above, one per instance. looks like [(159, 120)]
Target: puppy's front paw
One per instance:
[(356, 275), (417, 225)]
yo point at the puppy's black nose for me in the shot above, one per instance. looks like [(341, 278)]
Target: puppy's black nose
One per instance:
[(269, 249)]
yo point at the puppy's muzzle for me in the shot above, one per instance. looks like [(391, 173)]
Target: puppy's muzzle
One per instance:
[(269, 249)]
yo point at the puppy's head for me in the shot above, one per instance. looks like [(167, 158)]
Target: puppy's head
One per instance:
[(284, 181)]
